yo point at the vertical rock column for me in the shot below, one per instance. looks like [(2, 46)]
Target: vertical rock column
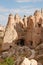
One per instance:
[(10, 32), (28, 36), (37, 29), (19, 25)]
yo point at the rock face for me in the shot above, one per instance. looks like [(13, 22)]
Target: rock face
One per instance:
[(29, 29), (10, 32), (2, 30), (33, 62), (34, 30), (12, 29)]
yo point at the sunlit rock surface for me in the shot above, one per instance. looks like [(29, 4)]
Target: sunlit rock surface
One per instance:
[(29, 62), (26, 31)]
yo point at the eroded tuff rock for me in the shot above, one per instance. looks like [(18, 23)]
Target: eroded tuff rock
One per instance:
[(24, 32), (29, 62), (39, 53), (29, 29), (17, 51)]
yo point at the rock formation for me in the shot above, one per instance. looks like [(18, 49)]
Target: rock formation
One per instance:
[(29, 29), (29, 62), (2, 30), (34, 29), (23, 37), (10, 32)]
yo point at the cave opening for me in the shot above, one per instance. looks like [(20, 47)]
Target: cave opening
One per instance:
[(39, 25), (21, 42)]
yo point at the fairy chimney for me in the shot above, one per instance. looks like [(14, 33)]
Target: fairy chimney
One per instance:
[(19, 25), (18, 19), (25, 21), (37, 28), (28, 36), (10, 32), (37, 15)]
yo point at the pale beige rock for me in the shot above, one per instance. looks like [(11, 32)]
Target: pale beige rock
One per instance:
[(33, 62), (26, 62), (2, 30), (18, 19), (37, 15), (10, 32), (25, 21), (13, 28), (29, 62)]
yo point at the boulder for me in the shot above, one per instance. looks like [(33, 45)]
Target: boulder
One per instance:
[(29, 62), (26, 62)]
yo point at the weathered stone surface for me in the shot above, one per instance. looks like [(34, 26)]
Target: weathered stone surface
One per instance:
[(30, 28), (39, 53), (13, 29), (29, 62), (10, 32), (27, 31), (4, 55), (25, 21), (33, 62), (26, 62), (2, 30)]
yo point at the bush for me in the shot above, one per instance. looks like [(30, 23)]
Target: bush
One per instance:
[(8, 61)]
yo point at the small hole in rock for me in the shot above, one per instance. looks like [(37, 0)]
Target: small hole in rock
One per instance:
[(10, 46)]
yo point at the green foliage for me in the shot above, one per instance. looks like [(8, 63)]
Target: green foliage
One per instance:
[(8, 61), (0, 64)]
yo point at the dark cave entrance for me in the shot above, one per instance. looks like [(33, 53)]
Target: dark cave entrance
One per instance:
[(21, 42), (39, 25)]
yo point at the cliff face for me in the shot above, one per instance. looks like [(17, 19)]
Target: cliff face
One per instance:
[(34, 29), (29, 29)]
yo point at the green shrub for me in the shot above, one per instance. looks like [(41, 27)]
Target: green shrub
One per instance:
[(8, 61)]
